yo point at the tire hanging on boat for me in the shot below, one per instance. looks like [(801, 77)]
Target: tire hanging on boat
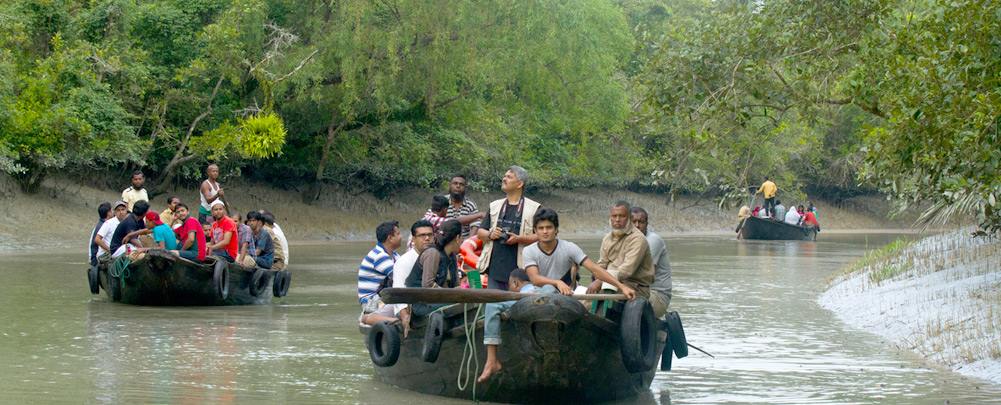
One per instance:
[(677, 334), (665, 357), (220, 278), (94, 279), (638, 336), (258, 282), (282, 279), (433, 335), (384, 332)]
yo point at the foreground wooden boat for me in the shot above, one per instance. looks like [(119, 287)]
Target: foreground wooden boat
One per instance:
[(161, 278), (767, 229), (553, 350)]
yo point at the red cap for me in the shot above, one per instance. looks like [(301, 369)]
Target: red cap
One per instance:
[(154, 217)]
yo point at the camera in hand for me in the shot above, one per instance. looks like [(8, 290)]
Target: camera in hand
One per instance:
[(504, 234)]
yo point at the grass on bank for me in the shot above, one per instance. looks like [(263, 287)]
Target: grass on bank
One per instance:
[(882, 260)]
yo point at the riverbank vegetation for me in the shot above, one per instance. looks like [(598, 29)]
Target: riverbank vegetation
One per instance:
[(694, 97), (937, 296)]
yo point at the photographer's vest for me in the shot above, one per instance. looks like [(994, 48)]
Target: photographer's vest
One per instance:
[(527, 213)]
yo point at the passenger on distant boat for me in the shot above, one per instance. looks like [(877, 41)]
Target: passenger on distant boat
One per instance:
[(423, 233), (437, 266), (209, 192), (810, 220), (769, 189), (107, 232), (792, 217), (281, 245), (517, 281), (435, 215), (130, 224), (103, 215), (660, 290), (507, 230), (136, 192), (264, 247), (625, 253), (246, 251), (757, 211), (461, 208), (224, 237), (376, 270), (811, 208), (278, 236), (167, 216), (550, 261), (779, 213), (190, 233)]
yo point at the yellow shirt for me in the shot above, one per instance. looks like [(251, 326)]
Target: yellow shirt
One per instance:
[(167, 216), (768, 188), (130, 196)]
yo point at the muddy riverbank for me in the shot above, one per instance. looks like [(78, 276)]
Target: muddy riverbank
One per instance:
[(64, 212)]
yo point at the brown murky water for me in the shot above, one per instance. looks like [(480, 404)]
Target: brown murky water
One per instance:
[(751, 304)]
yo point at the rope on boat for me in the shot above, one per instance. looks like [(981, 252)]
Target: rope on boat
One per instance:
[(469, 357), (120, 268)]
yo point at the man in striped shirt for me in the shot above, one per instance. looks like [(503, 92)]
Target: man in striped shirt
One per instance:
[(462, 208), (378, 265)]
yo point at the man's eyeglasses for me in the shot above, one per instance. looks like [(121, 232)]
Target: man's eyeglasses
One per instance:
[(428, 235)]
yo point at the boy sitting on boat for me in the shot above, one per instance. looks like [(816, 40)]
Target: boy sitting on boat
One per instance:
[(517, 281)]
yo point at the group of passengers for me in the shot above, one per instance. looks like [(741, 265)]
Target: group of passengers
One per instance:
[(774, 209), (521, 252), (131, 227)]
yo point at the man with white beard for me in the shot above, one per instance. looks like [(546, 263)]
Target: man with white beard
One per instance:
[(625, 253)]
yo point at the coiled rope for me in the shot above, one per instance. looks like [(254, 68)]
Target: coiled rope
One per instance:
[(469, 357), (120, 268)]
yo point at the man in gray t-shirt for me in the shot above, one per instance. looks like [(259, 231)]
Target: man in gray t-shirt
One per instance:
[(661, 263), (550, 260)]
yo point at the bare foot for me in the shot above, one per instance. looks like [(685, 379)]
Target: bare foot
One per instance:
[(488, 369)]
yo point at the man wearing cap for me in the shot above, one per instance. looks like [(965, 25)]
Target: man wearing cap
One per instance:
[(103, 237), (163, 236), (125, 234)]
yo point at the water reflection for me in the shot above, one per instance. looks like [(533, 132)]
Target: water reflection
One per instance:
[(752, 304)]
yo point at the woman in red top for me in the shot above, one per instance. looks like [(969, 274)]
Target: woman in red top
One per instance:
[(223, 233), (810, 219)]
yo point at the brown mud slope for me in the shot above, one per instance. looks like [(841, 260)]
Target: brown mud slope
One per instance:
[(63, 212)]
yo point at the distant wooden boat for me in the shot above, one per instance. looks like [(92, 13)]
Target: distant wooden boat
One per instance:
[(554, 351), (161, 278), (768, 229)]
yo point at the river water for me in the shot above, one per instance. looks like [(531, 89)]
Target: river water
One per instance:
[(751, 304)]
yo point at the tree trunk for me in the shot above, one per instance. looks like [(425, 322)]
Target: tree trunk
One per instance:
[(312, 192)]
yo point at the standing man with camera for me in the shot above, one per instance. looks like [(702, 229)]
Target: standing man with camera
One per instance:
[(506, 230)]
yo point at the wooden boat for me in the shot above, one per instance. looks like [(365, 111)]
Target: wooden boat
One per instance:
[(553, 350), (768, 229), (161, 278)]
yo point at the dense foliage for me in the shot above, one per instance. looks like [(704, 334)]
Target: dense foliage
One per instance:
[(691, 96)]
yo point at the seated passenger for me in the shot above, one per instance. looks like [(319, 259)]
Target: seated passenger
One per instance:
[(518, 281), (103, 214), (129, 225), (550, 261), (435, 215), (225, 240), (163, 236), (167, 216), (779, 212), (278, 237), (246, 251), (375, 268), (792, 217), (422, 233), (437, 266), (625, 253), (190, 233), (264, 248)]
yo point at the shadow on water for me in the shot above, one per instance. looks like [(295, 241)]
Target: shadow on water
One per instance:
[(751, 304)]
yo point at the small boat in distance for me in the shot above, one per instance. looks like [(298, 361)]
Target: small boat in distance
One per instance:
[(162, 278), (553, 351), (767, 229)]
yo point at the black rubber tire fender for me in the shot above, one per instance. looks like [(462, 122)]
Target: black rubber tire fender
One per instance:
[(94, 279), (677, 335), (384, 332), (282, 279), (638, 336), (433, 335), (258, 282), (220, 278)]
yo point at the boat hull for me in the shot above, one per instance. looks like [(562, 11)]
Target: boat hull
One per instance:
[(549, 354), (767, 229), (163, 279)]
